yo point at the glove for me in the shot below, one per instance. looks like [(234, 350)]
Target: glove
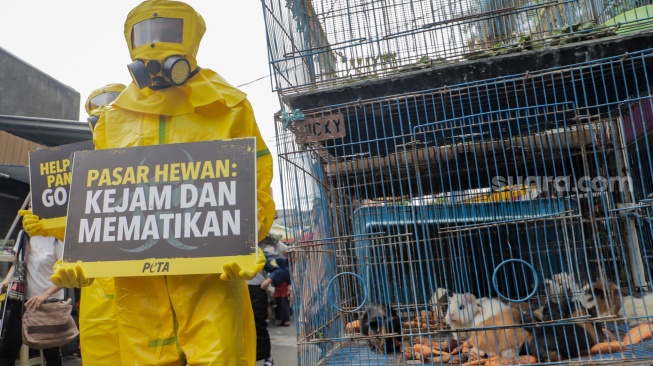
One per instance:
[(35, 226), (31, 223), (69, 277), (232, 271)]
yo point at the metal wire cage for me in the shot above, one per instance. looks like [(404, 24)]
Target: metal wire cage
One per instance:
[(320, 43), (534, 190)]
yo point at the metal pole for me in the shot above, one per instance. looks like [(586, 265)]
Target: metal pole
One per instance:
[(638, 272), (13, 225)]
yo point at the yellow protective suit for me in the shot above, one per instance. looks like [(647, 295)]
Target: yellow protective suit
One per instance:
[(193, 319), (98, 327)]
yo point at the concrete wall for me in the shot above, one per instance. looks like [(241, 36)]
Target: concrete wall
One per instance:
[(26, 91)]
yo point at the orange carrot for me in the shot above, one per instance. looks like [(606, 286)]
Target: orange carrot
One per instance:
[(443, 358), (354, 326), (475, 362), (516, 360), (423, 349), (606, 347), (639, 333)]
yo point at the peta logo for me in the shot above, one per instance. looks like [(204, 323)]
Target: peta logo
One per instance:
[(156, 267)]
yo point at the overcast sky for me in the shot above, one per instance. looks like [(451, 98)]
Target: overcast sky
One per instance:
[(81, 44)]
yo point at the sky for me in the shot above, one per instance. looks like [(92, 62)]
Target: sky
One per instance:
[(80, 43)]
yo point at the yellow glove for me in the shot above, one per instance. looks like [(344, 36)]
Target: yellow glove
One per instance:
[(35, 226), (31, 223), (69, 277), (232, 271)]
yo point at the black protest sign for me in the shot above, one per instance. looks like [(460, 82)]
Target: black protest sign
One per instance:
[(167, 202), (50, 175)]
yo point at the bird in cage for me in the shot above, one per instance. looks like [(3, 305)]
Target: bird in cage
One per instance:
[(382, 324)]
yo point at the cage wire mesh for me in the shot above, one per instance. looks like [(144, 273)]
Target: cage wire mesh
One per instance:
[(505, 217), (319, 43)]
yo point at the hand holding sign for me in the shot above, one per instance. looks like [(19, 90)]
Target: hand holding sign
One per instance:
[(31, 223), (233, 271), (169, 209), (69, 277), (35, 226)]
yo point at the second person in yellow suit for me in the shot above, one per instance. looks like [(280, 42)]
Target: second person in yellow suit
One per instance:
[(192, 319), (98, 326)]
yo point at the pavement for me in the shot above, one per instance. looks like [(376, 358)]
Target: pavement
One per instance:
[(284, 347), (284, 344)]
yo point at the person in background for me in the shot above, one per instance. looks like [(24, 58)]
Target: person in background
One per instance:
[(280, 279), (98, 326), (258, 294), (203, 319), (41, 252)]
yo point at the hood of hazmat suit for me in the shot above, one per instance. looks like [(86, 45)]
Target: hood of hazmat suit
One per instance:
[(100, 98), (192, 319)]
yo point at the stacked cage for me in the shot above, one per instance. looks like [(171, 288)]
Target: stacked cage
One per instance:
[(497, 221), (528, 193), (325, 43)]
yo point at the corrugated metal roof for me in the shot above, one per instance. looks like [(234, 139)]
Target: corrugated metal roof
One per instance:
[(45, 131)]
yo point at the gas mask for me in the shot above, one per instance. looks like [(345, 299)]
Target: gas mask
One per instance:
[(159, 67), (174, 70)]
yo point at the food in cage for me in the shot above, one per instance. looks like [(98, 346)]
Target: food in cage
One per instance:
[(353, 327), (463, 348), (561, 339), (476, 362), (379, 321), (638, 334), (499, 342), (442, 358), (606, 347), (423, 349), (461, 313), (444, 345), (519, 360)]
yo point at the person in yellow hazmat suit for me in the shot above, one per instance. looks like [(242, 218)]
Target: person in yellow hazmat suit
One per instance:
[(192, 319), (98, 327)]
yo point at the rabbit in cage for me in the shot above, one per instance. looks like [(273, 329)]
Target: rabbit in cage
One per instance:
[(381, 320), (497, 342), (609, 299), (561, 284), (559, 340), (461, 312)]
